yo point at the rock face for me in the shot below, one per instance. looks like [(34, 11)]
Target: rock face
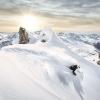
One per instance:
[(97, 46), (23, 36), (98, 62), (5, 42)]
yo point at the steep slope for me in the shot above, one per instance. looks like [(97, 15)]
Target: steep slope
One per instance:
[(40, 71), (83, 44)]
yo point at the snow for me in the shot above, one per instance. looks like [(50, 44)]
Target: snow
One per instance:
[(40, 71), (83, 44)]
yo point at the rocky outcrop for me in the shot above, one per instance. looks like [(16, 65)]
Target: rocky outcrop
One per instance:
[(98, 62), (5, 42), (97, 46), (23, 36)]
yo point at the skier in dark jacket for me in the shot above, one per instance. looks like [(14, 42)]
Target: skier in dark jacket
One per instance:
[(73, 68)]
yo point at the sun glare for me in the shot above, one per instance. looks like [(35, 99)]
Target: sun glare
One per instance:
[(31, 23)]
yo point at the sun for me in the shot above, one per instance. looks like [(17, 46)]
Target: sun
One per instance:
[(29, 22)]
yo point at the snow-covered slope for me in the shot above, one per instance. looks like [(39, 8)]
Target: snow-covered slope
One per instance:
[(40, 71), (82, 44), (13, 38)]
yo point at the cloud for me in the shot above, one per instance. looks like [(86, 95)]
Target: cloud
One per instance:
[(72, 12), (77, 8)]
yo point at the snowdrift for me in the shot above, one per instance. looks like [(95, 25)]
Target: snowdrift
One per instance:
[(40, 71)]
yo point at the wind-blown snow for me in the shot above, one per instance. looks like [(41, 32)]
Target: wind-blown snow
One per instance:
[(40, 71)]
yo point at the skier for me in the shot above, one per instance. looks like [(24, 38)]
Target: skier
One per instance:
[(73, 68)]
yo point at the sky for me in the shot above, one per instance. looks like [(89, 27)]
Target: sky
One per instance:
[(60, 15)]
